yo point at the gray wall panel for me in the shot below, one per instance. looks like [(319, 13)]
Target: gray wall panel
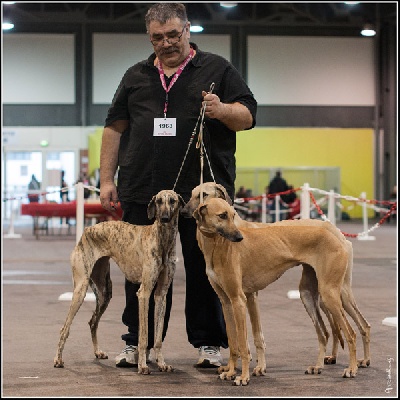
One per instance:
[(282, 116), (41, 115)]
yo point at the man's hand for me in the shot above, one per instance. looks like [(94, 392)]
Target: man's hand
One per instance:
[(235, 116), (214, 107), (108, 196)]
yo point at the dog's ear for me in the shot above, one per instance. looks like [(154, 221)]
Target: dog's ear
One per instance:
[(199, 211), (223, 194), (151, 208), (181, 201)]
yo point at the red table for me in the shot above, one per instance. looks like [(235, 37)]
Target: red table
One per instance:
[(65, 210)]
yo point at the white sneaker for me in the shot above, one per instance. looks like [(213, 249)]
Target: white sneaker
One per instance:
[(129, 357), (210, 357)]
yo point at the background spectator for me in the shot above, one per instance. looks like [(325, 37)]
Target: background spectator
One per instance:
[(277, 185), (34, 184)]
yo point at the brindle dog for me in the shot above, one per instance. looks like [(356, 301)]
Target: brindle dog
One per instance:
[(145, 254)]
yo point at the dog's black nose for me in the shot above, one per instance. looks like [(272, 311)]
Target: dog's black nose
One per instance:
[(185, 213), (232, 236), (164, 220), (238, 237)]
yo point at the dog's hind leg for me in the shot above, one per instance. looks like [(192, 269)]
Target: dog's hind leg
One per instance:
[(101, 284), (330, 293), (80, 289), (363, 325), (309, 295), (336, 336), (350, 305), (259, 342)]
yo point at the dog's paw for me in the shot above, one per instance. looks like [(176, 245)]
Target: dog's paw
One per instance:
[(144, 370), (101, 355), (222, 368), (329, 360), (363, 363), (58, 363), (313, 370), (226, 376), (166, 368), (349, 373), (259, 371), (241, 381)]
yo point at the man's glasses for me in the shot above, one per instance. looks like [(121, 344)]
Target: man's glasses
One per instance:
[(171, 39)]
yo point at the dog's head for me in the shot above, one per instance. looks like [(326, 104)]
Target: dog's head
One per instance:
[(165, 206), (216, 216), (207, 190)]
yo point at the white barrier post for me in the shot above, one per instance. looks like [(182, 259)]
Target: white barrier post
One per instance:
[(264, 208), (80, 211), (331, 207), (11, 234), (277, 208), (305, 202), (365, 235)]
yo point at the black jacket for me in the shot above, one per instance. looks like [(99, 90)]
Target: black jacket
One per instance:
[(148, 164)]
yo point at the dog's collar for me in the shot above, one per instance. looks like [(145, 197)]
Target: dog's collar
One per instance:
[(208, 234)]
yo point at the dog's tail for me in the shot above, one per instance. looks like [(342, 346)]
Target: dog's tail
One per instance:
[(337, 331)]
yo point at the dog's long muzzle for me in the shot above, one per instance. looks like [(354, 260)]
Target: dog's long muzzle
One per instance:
[(166, 215), (165, 218), (235, 236)]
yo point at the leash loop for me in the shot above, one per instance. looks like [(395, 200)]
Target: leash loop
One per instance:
[(199, 144)]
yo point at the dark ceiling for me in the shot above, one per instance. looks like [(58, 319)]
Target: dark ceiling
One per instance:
[(211, 15)]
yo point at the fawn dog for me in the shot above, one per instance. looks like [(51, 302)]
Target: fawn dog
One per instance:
[(308, 288), (145, 254)]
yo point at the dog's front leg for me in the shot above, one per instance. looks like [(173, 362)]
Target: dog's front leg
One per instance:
[(143, 295), (254, 313), (239, 313), (227, 372), (160, 299)]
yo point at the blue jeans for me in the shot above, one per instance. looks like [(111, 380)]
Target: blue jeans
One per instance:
[(205, 323)]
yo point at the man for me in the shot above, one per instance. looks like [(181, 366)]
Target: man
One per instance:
[(33, 185), (278, 185), (146, 136)]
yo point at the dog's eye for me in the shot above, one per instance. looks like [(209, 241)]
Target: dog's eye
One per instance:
[(205, 195), (159, 201), (172, 201), (223, 215)]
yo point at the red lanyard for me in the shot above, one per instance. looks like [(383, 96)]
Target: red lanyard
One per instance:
[(174, 79)]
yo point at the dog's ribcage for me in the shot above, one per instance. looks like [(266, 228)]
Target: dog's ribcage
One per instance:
[(130, 246)]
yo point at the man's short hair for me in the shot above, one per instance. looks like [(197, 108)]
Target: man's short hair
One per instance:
[(162, 12)]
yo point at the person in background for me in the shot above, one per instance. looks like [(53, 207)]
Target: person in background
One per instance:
[(241, 193), (146, 135), (85, 180), (34, 184), (277, 185), (293, 203), (95, 180), (393, 198), (64, 194)]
